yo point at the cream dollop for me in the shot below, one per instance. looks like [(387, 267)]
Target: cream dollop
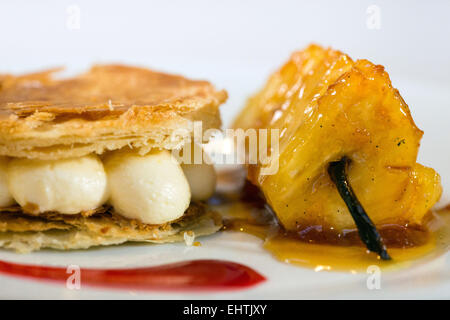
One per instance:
[(151, 188), (67, 186)]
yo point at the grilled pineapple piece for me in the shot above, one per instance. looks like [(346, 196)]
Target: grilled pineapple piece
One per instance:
[(327, 106)]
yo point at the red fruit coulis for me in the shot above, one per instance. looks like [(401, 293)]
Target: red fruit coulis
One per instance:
[(187, 275)]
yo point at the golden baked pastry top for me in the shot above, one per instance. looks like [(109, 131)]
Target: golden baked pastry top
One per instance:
[(107, 108)]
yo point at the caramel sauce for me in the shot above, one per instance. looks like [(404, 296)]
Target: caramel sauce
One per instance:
[(244, 210)]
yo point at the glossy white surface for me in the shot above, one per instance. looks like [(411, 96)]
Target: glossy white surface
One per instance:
[(236, 45), (284, 281)]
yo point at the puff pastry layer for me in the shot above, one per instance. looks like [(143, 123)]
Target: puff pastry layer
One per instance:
[(107, 108)]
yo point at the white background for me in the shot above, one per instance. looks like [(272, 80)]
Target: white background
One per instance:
[(235, 45)]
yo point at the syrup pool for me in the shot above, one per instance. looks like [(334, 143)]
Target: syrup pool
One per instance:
[(244, 210)]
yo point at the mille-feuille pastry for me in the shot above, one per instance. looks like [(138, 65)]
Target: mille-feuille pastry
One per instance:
[(347, 150), (87, 161)]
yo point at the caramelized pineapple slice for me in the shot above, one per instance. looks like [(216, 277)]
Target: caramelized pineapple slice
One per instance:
[(327, 106)]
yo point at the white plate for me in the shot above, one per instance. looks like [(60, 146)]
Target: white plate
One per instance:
[(426, 280)]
